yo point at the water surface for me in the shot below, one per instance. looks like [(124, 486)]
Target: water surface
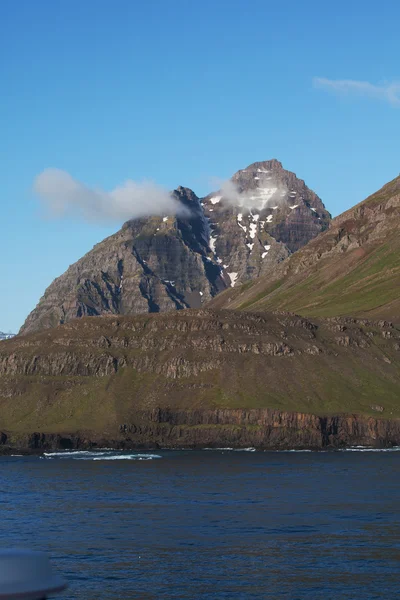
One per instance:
[(210, 524)]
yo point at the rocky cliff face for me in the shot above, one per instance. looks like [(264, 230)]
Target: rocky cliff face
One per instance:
[(264, 215), (263, 429), (165, 263)]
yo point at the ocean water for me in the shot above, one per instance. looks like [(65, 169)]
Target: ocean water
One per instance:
[(210, 524)]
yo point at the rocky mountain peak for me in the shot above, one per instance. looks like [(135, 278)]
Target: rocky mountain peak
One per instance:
[(170, 262), (269, 212)]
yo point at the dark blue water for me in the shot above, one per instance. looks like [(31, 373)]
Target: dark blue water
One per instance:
[(207, 525)]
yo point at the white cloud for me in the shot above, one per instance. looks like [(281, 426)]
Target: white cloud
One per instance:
[(389, 92), (63, 195), (268, 191)]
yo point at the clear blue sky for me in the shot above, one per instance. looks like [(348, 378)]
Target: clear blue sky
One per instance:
[(179, 92)]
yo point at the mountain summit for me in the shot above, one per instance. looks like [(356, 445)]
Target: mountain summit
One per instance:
[(163, 263)]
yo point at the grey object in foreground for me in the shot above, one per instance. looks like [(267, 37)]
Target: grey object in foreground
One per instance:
[(27, 575)]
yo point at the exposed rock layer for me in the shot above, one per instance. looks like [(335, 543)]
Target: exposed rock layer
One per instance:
[(262, 429)]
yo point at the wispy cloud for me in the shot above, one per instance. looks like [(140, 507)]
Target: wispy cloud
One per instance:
[(388, 92), (62, 195), (268, 192)]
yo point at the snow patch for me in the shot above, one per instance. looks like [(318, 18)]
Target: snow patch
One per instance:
[(262, 171), (216, 199), (293, 207), (256, 178), (165, 219), (212, 242), (253, 230), (250, 246), (264, 254), (239, 219), (269, 218), (233, 277), (313, 209)]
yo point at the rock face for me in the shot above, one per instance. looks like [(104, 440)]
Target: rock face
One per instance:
[(165, 263), (270, 214), (204, 378), (263, 429), (353, 268)]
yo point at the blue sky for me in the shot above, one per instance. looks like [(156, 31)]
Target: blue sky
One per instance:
[(180, 92)]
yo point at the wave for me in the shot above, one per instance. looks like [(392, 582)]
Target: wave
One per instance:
[(294, 450), (367, 449), (98, 455), (232, 449)]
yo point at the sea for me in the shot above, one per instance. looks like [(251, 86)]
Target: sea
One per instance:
[(209, 524)]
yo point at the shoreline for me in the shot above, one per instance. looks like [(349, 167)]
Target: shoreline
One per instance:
[(262, 429)]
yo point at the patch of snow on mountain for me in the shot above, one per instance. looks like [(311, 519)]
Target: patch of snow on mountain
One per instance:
[(253, 230), (216, 199), (250, 246), (212, 242), (233, 277), (165, 219), (269, 218), (264, 254), (239, 219), (293, 207)]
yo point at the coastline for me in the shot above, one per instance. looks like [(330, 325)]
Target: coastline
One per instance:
[(262, 429)]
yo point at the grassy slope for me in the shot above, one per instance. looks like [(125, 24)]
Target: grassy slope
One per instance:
[(339, 380)]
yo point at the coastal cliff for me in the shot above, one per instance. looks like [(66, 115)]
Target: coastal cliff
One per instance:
[(263, 429), (202, 378)]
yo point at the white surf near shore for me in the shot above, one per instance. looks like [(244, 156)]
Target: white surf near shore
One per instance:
[(99, 455)]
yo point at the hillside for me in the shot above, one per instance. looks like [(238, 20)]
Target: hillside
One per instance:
[(171, 262), (106, 377), (353, 268)]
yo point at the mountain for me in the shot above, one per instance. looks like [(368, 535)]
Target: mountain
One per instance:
[(165, 263), (353, 268), (6, 336), (200, 377)]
